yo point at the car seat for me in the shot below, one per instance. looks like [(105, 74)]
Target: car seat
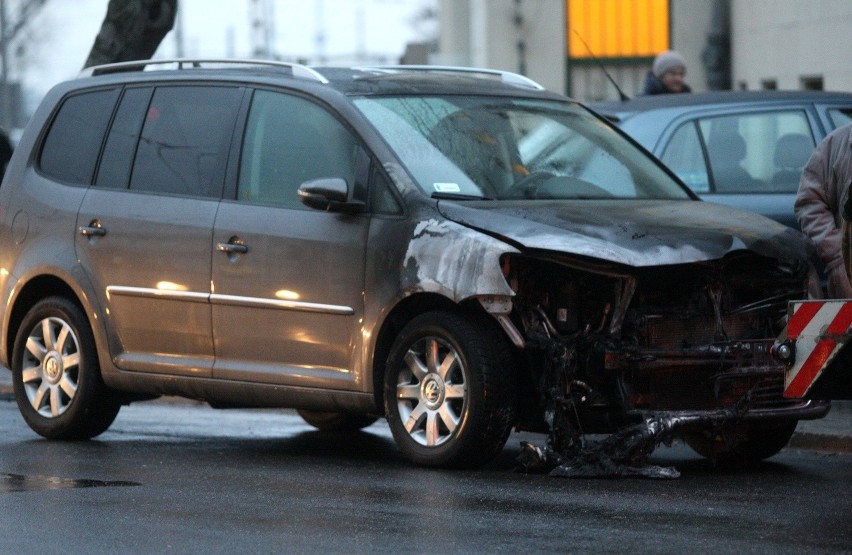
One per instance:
[(726, 148), (482, 145), (792, 152)]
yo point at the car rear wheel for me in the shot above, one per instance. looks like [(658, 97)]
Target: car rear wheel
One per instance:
[(336, 421), (746, 444), (56, 375), (447, 392)]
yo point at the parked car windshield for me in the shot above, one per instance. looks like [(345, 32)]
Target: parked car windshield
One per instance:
[(504, 148)]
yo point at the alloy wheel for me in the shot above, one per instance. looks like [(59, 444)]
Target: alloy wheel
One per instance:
[(51, 366), (431, 392)]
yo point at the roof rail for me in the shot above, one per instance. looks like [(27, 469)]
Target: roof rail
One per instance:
[(298, 70), (505, 76)]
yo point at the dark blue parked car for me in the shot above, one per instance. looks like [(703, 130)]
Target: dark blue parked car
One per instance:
[(744, 149)]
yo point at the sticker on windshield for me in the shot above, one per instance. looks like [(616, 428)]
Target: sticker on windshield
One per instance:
[(446, 187)]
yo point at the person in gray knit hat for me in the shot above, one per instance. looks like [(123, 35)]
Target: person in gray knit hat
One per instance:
[(666, 75)]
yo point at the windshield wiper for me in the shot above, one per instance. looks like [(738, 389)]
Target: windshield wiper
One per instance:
[(457, 196)]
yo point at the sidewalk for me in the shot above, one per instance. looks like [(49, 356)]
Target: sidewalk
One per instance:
[(832, 433)]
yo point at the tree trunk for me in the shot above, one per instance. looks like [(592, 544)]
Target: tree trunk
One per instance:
[(132, 30)]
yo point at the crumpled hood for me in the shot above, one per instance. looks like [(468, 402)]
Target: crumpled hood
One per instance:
[(633, 232)]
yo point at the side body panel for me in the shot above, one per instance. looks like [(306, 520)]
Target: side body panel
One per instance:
[(289, 310), (151, 272), (37, 228)]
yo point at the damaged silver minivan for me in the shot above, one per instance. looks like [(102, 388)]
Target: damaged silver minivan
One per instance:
[(458, 251)]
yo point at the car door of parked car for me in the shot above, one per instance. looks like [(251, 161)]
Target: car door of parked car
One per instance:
[(288, 281), (749, 160), (144, 228)]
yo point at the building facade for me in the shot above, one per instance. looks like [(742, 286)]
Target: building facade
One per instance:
[(580, 47), (791, 44)]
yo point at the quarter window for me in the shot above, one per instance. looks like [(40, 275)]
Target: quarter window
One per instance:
[(70, 151), (840, 116)]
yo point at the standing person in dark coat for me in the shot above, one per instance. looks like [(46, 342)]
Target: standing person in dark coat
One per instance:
[(666, 75), (5, 151)]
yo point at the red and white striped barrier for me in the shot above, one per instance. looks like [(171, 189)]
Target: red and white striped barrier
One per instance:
[(818, 329)]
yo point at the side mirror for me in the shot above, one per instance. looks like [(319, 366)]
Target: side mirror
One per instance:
[(330, 194)]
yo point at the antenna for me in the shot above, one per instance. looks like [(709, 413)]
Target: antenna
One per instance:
[(621, 94)]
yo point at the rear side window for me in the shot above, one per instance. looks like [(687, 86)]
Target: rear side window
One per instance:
[(70, 150), (185, 139), (758, 153)]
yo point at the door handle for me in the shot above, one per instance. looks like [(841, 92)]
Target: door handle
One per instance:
[(94, 229), (234, 246)]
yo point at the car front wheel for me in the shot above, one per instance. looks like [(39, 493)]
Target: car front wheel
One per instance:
[(744, 445), (56, 375), (447, 391)]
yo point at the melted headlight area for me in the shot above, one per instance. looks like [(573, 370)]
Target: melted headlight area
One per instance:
[(610, 348)]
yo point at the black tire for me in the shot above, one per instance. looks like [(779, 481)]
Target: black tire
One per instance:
[(56, 375), (336, 421), (744, 445), (447, 391)]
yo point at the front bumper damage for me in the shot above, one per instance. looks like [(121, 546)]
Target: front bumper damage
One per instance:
[(740, 377), (624, 453), (649, 356)]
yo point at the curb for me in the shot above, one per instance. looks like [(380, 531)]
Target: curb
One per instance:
[(821, 442)]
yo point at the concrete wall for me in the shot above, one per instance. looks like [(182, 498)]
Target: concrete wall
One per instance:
[(690, 22), (789, 41)]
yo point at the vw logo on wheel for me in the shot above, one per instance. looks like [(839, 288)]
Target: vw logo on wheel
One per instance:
[(52, 367), (432, 392)]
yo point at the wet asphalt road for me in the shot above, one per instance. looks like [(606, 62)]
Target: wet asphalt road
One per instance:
[(183, 478)]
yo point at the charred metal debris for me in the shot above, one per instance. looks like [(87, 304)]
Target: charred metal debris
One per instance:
[(644, 355)]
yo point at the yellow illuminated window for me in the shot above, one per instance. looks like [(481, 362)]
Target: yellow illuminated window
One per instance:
[(617, 28)]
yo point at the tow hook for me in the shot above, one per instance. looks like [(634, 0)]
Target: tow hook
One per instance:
[(784, 351)]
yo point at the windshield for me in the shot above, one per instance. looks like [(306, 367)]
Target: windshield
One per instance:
[(503, 148)]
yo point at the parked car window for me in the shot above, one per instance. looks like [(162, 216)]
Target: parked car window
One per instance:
[(185, 140), (840, 117), (288, 141), (684, 155), (70, 151), (753, 153), (114, 170), (483, 147), (744, 153)]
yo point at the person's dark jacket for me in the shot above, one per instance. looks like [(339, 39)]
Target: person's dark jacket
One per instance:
[(653, 85), (5, 152)]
